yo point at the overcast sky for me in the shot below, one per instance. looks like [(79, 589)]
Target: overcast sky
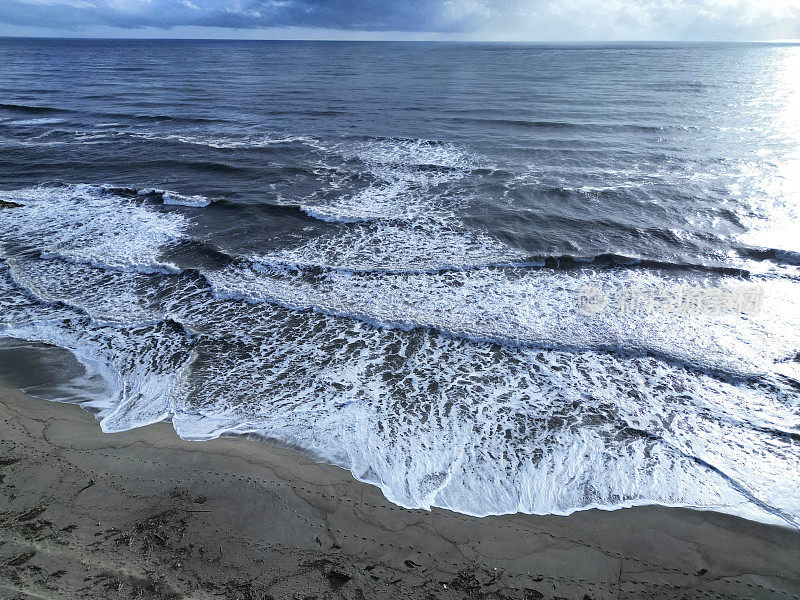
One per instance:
[(534, 20)]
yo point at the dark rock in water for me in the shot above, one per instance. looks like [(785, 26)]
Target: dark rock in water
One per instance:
[(9, 204)]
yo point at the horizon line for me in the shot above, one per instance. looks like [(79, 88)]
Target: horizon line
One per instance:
[(788, 41)]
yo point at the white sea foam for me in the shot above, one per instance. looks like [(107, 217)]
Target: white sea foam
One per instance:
[(222, 141), (89, 224), (374, 203), (36, 121), (393, 247), (403, 178), (19, 308), (169, 197)]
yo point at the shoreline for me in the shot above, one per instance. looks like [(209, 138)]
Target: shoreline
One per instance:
[(763, 516), (146, 514)]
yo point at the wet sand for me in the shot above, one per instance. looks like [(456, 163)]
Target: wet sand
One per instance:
[(144, 514)]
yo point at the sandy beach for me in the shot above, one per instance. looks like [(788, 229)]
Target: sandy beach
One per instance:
[(144, 514)]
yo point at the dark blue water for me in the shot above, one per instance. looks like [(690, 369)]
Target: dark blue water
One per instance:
[(380, 253)]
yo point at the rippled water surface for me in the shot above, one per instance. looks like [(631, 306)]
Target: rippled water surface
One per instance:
[(374, 253)]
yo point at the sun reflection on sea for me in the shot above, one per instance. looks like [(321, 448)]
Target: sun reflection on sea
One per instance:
[(774, 190)]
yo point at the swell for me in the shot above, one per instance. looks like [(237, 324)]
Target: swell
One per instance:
[(33, 110), (566, 262), (397, 138), (268, 144), (231, 168), (160, 196), (787, 257), (203, 166), (724, 373), (141, 117), (568, 125), (165, 118), (556, 262)]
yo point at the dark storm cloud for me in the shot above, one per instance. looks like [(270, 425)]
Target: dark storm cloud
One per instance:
[(376, 15), (504, 19), (409, 15)]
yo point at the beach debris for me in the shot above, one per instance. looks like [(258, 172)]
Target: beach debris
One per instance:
[(30, 515), (336, 573), (86, 487), (337, 576), (20, 559)]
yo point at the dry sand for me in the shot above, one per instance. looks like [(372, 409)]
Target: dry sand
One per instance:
[(144, 514)]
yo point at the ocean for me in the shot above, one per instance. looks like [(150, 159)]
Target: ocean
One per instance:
[(484, 277)]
